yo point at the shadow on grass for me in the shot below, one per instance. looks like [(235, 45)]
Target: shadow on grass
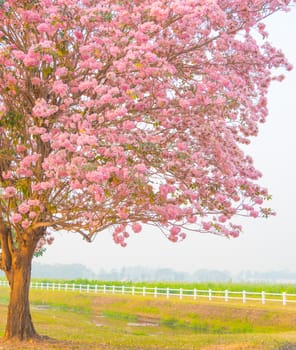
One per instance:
[(288, 346)]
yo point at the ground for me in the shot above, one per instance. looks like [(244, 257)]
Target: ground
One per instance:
[(114, 322)]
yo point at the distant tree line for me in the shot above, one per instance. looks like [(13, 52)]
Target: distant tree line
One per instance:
[(140, 273)]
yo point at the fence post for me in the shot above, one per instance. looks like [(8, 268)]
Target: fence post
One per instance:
[(284, 298), (168, 293), (104, 289), (53, 286), (155, 292), (122, 290), (244, 297), (59, 286), (113, 289), (133, 290), (66, 287), (210, 294), (144, 291), (87, 288), (194, 294), (181, 293), (47, 285), (80, 288), (226, 295), (96, 288), (263, 297), (73, 287)]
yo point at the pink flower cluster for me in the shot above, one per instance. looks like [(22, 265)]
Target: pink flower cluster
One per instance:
[(121, 113), (43, 110)]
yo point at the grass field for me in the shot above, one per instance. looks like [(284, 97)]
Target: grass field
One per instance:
[(254, 287), (108, 322)]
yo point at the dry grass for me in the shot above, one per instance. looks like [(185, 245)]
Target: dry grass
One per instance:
[(107, 322)]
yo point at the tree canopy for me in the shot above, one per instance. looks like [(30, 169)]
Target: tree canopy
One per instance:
[(116, 113)]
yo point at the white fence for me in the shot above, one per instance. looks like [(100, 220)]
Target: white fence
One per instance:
[(180, 293)]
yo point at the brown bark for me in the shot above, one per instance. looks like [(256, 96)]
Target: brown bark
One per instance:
[(16, 260), (6, 249), (19, 322)]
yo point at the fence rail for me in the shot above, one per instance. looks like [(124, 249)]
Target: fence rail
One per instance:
[(181, 293)]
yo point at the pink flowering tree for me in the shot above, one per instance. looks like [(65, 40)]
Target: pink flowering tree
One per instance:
[(123, 113)]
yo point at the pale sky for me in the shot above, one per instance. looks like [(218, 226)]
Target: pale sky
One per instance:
[(265, 245)]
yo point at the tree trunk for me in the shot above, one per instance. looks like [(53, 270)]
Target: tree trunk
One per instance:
[(19, 322)]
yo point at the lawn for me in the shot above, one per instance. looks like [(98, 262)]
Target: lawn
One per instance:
[(112, 322)]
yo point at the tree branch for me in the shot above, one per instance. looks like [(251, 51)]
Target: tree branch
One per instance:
[(6, 246)]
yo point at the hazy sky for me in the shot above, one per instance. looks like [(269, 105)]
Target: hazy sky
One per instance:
[(265, 244)]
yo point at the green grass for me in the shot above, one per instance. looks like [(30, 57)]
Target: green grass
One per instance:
[(253, 287), (113, 322), (215, 286)]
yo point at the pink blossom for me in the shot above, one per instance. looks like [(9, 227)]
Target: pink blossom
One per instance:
[(254, 213), (258, 200), (61, 71), (234, 234), (128, 125), (36, 187), (31, 16), (60, 88), (78, 34), (25, 224), (21, 148), (222, 218), (157, 12), (173, 238), (19, 55), (221, 198), (35, 130), (44, 28), (181, 146), (88, 84), (7, 175), (10, 192), (46, 44), (24, 208), (24, 172), (29, 160), (141, 168), (192, 219), (32, 214), (47, 58), (206, 225), (122, 213), (34, 202), (36, 81), (15, 218), (175, 230), (45, 137), (183, 235), (136, 227), (31, 61), (43, 109)]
